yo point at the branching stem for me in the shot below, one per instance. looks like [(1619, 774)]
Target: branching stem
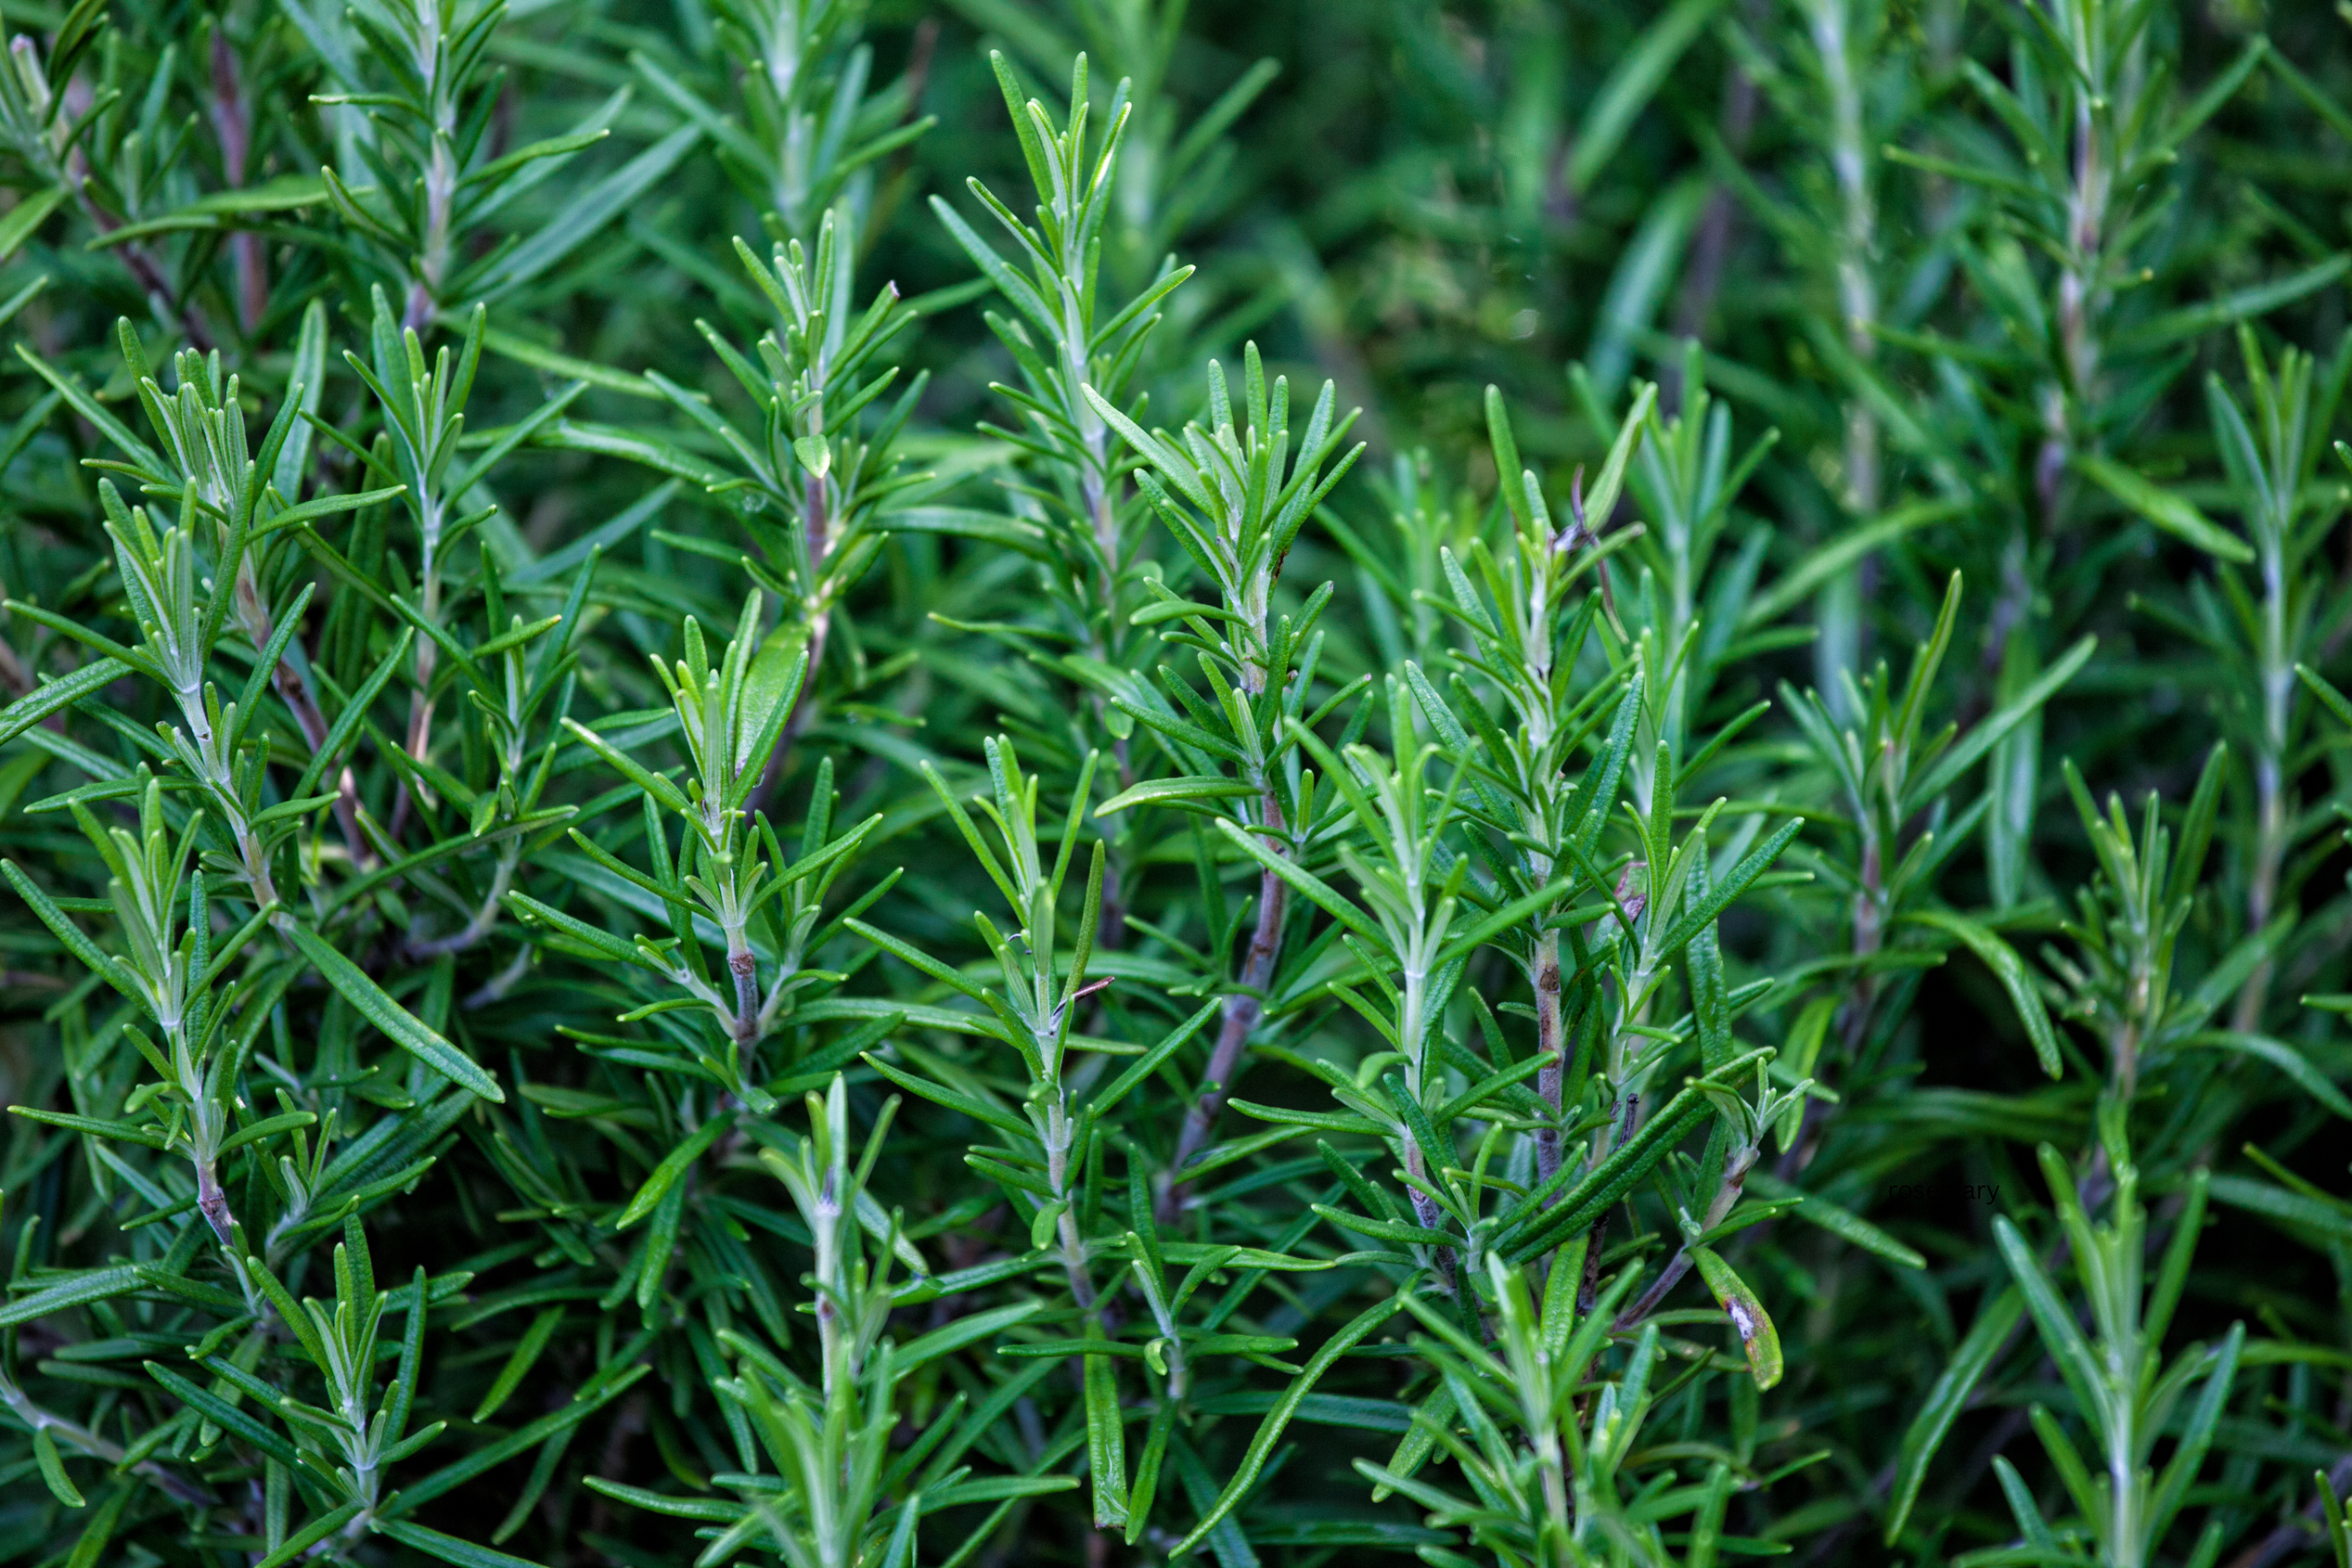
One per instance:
[(1243, 1009)]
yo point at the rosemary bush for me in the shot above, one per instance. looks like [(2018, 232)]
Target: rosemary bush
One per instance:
[(1543, 784)]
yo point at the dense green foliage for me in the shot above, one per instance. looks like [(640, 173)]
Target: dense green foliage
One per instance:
[(1083, 782)]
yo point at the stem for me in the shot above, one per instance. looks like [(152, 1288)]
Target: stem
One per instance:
[(428, 659), (73, 172), (1074, 1261), (294, 691), (1429, 1216), (2269, 779), (833, 1356), (1842, 599), (149, 273), (1711, 247), (1550, 1045), (1100, 514), (1616, 1132), (211, 1202), (2016, 584), (1244, 1009), (1869, 933), (816, 506), (440, 196), (745, 968), (1588, 1289), (1057, 1177), (1726, 1193), (2124, 1546), (1858, 238), (1111, 926), (260, 887), (1095, 477), (420, 700), (293, 688), (2292, 1535), (2078, 302), (89, 1443), (2123, 1057), (2086, 211), (253, 861), (496, 988), (1861, 1002), (232, 123), (15, 676), (486, 918)]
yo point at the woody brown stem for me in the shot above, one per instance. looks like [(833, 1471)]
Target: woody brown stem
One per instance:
[(1588, 1288), (150, 275), (1550, 1047), (232, 124), (1598, 1237), (1244, 1009), (1711, 244), (744, 967), (211, 1202)]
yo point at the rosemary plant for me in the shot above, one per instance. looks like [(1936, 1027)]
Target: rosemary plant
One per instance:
[(1370, 808)]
